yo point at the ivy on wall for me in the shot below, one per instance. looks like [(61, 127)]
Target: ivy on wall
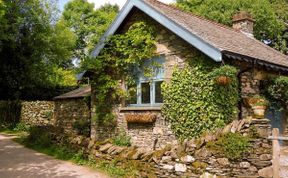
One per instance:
[(123, 53), (194, 102)]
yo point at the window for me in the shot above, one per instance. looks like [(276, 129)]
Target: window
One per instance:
[(147, 91)]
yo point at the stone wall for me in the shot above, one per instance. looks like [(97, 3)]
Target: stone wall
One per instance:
[(192, 158), (37, 112), (155, 135), (69, 112)]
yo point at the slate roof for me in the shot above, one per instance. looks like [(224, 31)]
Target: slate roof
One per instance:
[(78, 93), (224, 38)]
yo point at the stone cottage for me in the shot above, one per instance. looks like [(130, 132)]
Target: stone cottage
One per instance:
[(180, 36)]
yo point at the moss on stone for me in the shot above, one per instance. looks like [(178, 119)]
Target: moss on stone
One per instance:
[(199, 165)]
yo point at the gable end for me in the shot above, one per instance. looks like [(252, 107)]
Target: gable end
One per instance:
[(192, 39)]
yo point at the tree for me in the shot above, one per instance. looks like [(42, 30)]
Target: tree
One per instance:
[(88, 24), (270, 16), (31, 46)]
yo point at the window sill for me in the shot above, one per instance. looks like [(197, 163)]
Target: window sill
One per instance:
[(141, 108)]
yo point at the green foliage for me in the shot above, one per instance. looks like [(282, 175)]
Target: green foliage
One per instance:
[(10, 112), (231, 145), (32, 45), (117, 61), (226, 70), (21, 127), (270, 16), (64, 151), (207, 105), (259, 100), (277, 90), (82, 127), (88, 24), (39, 136), (122, 139)]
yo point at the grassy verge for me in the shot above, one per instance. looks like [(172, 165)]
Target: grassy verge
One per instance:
[(19, 130), (63, 152), (39, 140)]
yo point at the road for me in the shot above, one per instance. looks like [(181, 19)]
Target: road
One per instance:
[(16, 161)]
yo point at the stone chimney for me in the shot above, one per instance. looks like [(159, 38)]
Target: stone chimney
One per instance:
[(243, 22)]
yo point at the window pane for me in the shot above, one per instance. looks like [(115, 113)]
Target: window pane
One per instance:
[(132, 94), (145, 93), (158, 92)]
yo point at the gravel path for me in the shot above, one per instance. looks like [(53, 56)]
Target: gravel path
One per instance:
[(17, 161)]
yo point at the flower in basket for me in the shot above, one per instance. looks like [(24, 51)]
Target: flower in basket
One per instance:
[(259, 105)]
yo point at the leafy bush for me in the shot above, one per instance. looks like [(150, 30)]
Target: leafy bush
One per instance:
[(194, 103), (82, 127), (39, 135), (122, 139), (278, 90), (21, 127), (231, 145), (10, 112)]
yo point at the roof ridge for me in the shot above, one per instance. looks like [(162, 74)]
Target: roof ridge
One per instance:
[(268, 47), (194, 15), (218, 24)]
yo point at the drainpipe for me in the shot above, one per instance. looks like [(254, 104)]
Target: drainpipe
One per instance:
[(240, 88)]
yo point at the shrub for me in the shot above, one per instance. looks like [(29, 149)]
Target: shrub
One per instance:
[(194, 103), (39, 135), (278, 90), (82, 127), (231, 145), (21, 127), (122, 139)]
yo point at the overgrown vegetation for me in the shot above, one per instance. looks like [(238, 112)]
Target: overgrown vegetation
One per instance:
[(194, 102), (231, 145), (277, 91), (123, 53), (82, 127), (40, 138), (35, 49), (10, 112), (122, 139)]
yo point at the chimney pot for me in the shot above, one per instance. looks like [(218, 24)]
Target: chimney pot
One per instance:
[(243, 22)]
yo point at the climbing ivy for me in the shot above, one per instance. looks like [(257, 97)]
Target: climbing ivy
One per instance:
[(194, 102), (122, 54)]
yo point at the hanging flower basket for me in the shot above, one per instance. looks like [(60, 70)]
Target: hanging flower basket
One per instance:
[(223, 80), (140, 118)]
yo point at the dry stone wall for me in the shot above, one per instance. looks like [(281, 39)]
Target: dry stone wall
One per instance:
[(72, 112), (192, 158), (153, 135), (37, 112)]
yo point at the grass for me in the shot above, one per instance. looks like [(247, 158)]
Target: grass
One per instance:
[(16, 130), (40, 141), (65, 153)]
